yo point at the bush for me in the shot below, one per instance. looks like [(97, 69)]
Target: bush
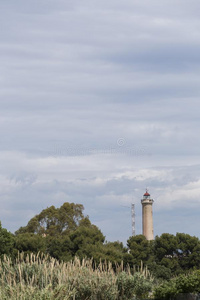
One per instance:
[(166, 291), (42, 277), (136, 285), (142, 286), (181, 284), (125, 285)]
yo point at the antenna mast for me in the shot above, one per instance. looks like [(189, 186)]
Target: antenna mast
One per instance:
[(133, 218)]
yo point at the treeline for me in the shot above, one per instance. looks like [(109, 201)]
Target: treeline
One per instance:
[(65, 233)]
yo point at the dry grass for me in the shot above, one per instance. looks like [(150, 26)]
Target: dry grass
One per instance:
[(42, 277)]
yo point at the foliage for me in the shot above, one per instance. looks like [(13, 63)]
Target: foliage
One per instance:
[(188, 251), (65, 233), (59, 247), (165, 246), (189, 283), (126, 285), (84, 237), (143, 286), (53, 221), (85, 241), (6, 241), (114, 251), (29, 242), (133, 285), (42, 277), (141, 249), (166, 290), (160, 271), (177, 253)]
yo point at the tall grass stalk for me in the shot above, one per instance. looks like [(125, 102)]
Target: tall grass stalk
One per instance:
[(43, 277)]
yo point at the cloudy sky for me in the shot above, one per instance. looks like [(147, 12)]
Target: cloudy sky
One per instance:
[(99, 100)]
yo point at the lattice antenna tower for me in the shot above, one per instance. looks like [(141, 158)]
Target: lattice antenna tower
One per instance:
[(133, 218)]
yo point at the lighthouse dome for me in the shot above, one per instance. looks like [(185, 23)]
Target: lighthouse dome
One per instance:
[(146, 194)]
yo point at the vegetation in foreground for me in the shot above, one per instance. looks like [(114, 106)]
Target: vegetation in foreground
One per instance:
[(65, 233), (181, 284), (41, 277)]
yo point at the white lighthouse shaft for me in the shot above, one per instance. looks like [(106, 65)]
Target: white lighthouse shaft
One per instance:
[(147, 217)]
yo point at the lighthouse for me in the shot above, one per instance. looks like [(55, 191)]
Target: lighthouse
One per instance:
[(147, 216)]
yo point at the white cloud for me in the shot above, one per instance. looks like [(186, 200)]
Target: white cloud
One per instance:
[(77, 78)]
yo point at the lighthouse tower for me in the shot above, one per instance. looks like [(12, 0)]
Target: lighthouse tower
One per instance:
[(147, 216)]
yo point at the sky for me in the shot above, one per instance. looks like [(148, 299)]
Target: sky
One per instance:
[(99, 100)]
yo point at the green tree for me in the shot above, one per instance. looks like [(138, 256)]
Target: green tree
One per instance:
[(177, 253), (85, 239), (139, 250), (60, 247), (165, 248), (30, 243), (6, 241), (181, 284), (188, 251), (114, 251), (49, 231), (159, 271), (53, 221)]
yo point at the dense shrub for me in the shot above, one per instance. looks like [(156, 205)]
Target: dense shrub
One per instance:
[(42, 277), (189, 283)]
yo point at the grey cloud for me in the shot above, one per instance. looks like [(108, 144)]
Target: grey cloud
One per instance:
[(79, 76)]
